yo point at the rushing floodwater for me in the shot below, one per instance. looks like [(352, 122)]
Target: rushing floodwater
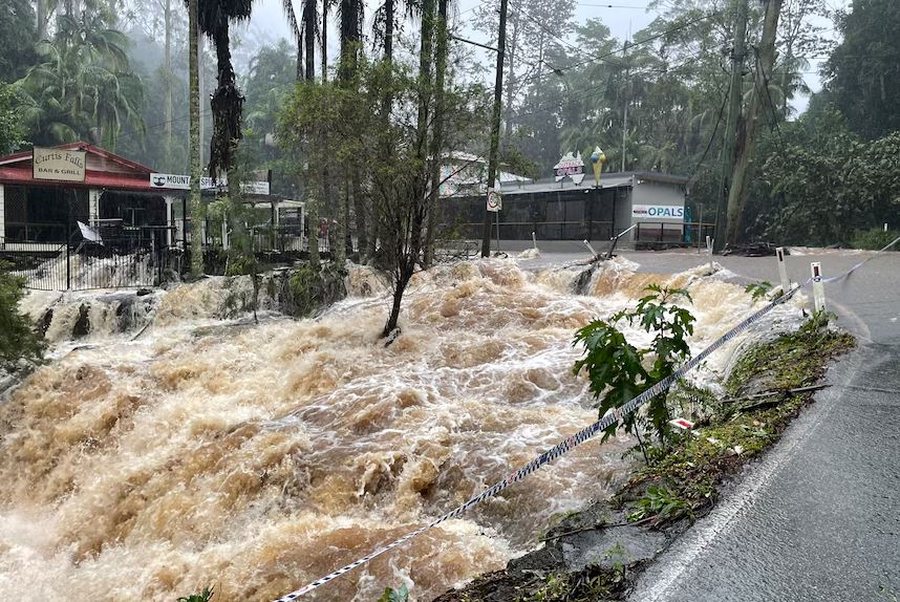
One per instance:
[(256, 458)]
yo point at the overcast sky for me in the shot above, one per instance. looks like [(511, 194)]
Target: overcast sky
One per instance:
[(624, 18)]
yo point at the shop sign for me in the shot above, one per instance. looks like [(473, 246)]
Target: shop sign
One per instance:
[(658, 212), (170, 181), (57, 164), (571, 166)]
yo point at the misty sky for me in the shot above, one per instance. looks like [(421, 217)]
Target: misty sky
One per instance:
[(268, 25)]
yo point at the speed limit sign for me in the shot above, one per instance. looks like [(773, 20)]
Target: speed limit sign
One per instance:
[(494, 200)]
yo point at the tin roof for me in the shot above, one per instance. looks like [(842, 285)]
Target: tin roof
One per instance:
[(103, 170)]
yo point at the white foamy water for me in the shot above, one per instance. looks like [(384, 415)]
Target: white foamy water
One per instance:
[(256, 458)]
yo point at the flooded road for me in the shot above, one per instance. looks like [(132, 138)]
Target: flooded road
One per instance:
[(258, 457)]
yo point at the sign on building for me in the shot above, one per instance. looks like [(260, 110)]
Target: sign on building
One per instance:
[(572, 166), (170, 181), (658, 212), (57, 164)]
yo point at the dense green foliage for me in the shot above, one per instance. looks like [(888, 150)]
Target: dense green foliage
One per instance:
[(114, 72), (12, 132), (820, 182), (18, 339), (864, 70), (17, 22), (618, 371)]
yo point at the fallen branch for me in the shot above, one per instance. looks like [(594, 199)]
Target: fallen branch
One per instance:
[(600, 526), (772, 392)]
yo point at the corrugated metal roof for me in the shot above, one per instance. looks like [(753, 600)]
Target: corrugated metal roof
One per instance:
[(610, 180)]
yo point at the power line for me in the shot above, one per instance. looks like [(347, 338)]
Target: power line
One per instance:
[(711, 138)]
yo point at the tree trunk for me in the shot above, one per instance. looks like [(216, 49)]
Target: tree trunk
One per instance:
[(312, 224), (168, 85), (324, 34), (389, 30), (515, 20), (437, 140), (195, 200), (394, 316), (41, 19), (309, 34), (737, 194), (362, 218)]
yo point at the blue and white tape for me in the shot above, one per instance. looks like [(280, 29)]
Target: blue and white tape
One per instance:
[(575, 440)]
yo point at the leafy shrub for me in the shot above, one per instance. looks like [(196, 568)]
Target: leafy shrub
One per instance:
[(658, 502), (618, 371), (390, 594), (204, 596), (758, 290), (18, 338)]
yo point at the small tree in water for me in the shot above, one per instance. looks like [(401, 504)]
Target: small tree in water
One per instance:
[(618, 371)]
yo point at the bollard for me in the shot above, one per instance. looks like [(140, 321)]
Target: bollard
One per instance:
[(818, 286), (534, 240), (709, 249), (590, 248), (782, 270)]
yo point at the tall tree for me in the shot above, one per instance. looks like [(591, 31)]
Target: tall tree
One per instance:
[(863, 73), (296, 33), (214, 20), (197, 212), (83, 87), (17, 23), (746, 142), (310, 23), (437, 138)]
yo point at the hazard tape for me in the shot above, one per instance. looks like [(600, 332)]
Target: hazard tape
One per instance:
[(567, 445), (862, 263), (555, 452)]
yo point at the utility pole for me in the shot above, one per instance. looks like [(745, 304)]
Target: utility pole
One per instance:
[(493, 159), (627, 99), (746, 145), (738, 53)]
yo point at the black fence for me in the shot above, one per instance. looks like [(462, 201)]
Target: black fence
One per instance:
[(140, 260), (673, 233)]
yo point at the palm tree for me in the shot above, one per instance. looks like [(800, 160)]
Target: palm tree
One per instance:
[(214, 19), (83, 87), (288, 6), (437, 141), (309, 21)]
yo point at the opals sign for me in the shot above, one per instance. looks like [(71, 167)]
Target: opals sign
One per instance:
[(658, 212)]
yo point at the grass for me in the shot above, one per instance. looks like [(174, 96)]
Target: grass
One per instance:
[(685, 481)]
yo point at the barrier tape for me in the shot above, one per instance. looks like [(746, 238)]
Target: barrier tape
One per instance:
[(862, 263), (567, 445), (555, 452)]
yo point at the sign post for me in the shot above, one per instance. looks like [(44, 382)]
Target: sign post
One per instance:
[(782, 270), (495, 205), (818, 286)]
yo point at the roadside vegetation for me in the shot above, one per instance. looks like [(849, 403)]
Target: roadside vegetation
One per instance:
[(21, 347), (684, 470)]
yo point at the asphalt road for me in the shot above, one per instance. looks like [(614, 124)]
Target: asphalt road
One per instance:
[(818, 517)]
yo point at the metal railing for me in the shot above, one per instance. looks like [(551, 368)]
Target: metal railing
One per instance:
[(125, 262)]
